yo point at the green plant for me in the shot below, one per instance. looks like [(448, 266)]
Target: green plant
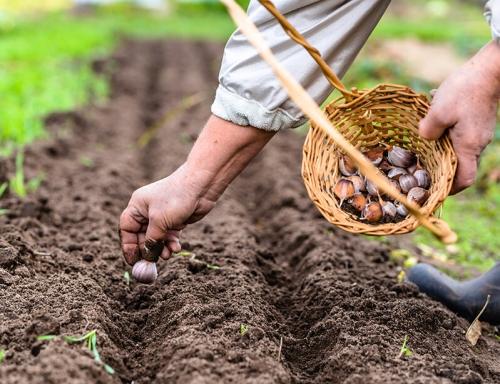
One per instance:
[(3, 352), (18, 184), (86, 161), (405, 350), (90, 340), (243, 329), (126, 277), (3, 188)]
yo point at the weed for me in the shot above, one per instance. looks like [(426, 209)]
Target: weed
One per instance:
[(405, 350), (18, 184), (126, 277), (243, 329), (90, 340), (3, 352)]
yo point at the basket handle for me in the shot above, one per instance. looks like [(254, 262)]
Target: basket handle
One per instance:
[(315, 54), (316, 115)]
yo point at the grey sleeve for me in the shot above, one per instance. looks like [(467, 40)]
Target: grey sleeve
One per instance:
[(492, 13), (250, 94)]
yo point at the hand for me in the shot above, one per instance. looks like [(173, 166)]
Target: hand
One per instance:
[(466, 105), (156, 213)]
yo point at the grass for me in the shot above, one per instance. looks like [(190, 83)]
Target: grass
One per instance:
[(45, 61)]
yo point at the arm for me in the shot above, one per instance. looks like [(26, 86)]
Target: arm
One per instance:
[(250, 106), (158, 211)]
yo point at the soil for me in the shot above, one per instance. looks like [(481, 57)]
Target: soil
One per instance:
[(321, 305)]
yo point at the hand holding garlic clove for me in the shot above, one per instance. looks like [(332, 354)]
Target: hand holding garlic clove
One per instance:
[(361, 197), (145, 271)]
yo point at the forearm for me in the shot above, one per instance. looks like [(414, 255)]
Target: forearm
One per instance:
[(221, 152), (488, 62)]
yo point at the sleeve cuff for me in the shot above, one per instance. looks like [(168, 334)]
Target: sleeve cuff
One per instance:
[(235, 108)]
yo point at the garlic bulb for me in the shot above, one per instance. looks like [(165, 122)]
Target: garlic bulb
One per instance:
[(407, 182), (145, 271), (401, 157)]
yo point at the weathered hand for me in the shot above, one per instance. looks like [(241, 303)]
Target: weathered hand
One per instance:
[(466, 105), (157, 212)]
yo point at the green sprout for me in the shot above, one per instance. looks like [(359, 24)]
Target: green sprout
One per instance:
[(3, 352), (3, 211), (126, 277), (183, 253), (86, 161), (46, 337), (405, 350), (90, 340), (18, 183), (243, 329), (3, 188), (213, 266)]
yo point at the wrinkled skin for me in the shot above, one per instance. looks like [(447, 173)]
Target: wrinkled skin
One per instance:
[(466, 105)]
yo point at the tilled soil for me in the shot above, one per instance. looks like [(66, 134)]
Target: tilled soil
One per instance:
[(321, 306)]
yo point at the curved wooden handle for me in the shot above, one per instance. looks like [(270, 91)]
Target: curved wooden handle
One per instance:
[(315, 114), (315, 54)]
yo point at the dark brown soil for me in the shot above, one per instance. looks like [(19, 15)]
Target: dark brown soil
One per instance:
[(331, 298)]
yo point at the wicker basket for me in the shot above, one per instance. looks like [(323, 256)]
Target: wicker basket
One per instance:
[(385, 114), (360, 120)]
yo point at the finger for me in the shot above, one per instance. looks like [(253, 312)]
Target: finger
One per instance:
[(466, 170), (128, 237), (437, 121), (172, 241), (166, 253), (156, 233)]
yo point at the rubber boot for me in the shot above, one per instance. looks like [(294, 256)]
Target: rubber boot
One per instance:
[(464, 298)]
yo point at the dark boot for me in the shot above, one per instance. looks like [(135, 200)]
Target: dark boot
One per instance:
[(464, 298)]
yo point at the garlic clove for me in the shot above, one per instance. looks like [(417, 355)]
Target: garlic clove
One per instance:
[(423, 178), (375, 155), (401, 209), (371, 188), (372, 212), (418, 195), (344, 189), (145, 271), (407, 182), (385, 166), (358, 182), (395, 184), (347, 166), (358, 201), (396, 172), (388, 209), (401, 157)]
